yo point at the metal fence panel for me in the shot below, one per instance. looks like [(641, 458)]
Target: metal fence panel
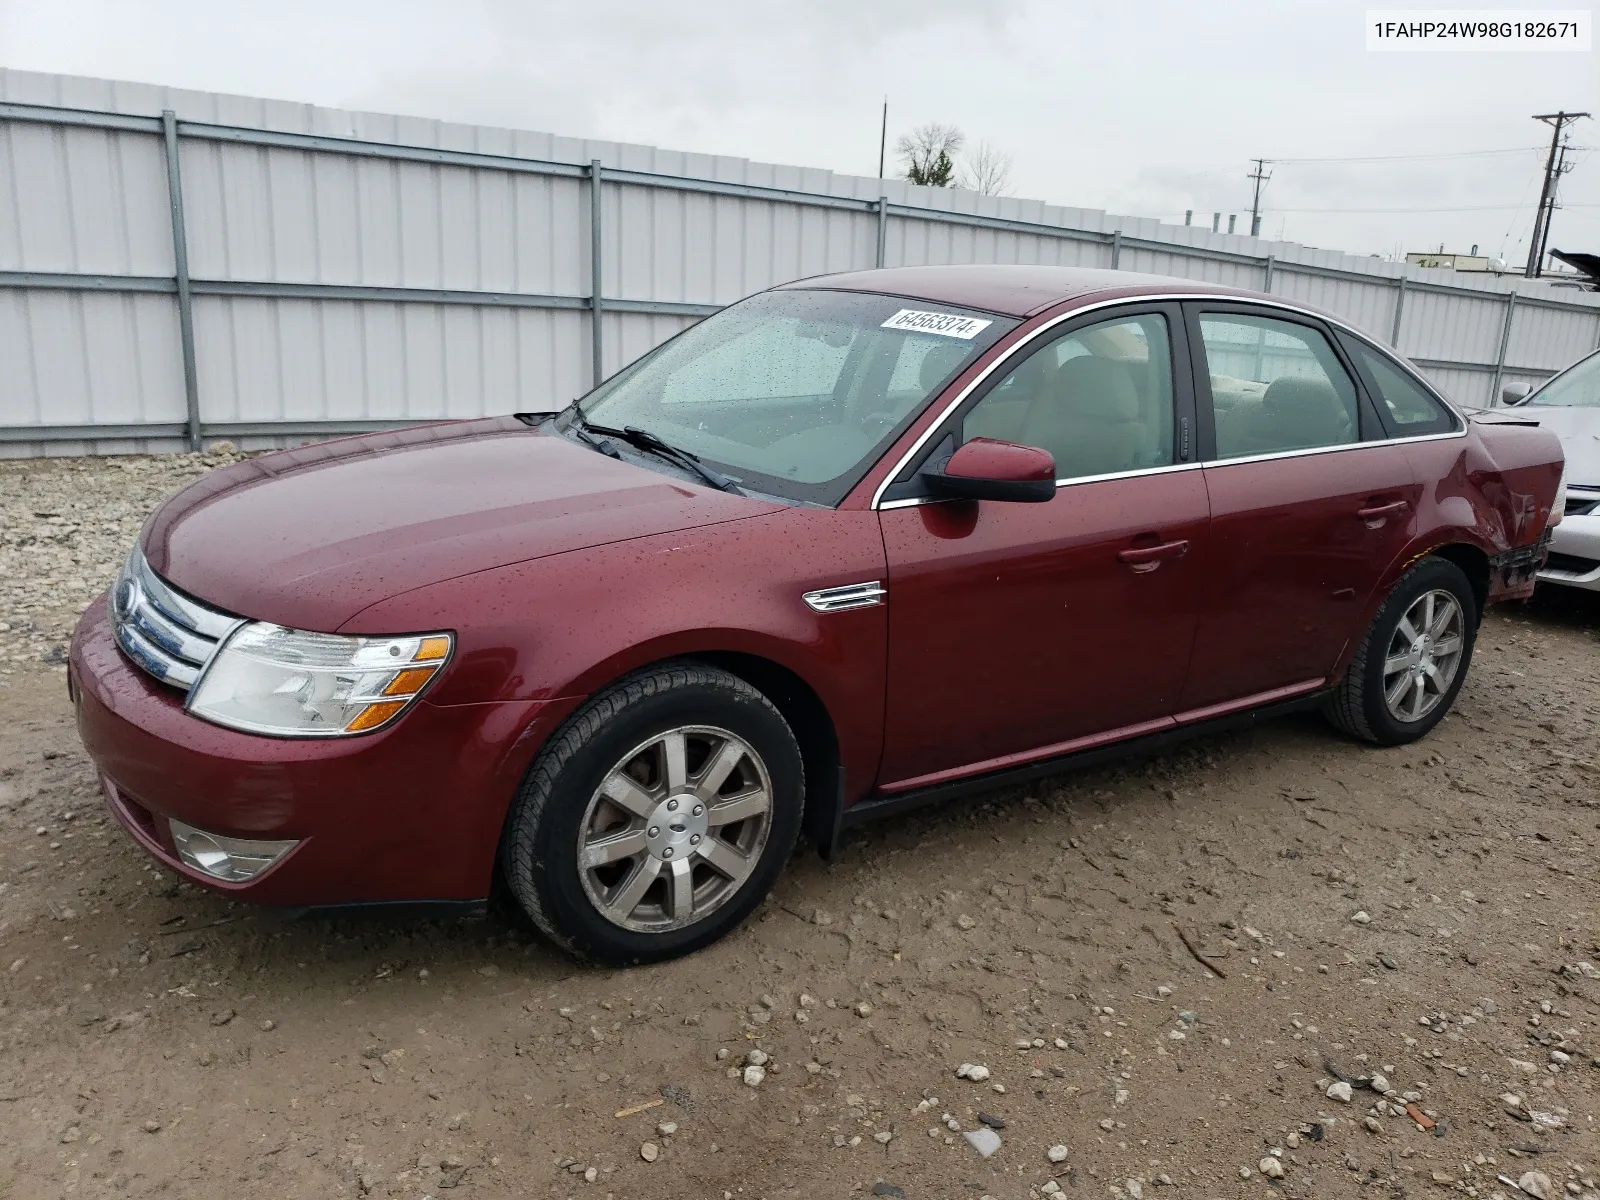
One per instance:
[(351, 269), (302, 361), (1540, 335), (88, 201), (1459, 327), (77, 358)]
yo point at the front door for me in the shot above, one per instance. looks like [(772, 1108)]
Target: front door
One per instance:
[(1309, 505), (1019, 631)]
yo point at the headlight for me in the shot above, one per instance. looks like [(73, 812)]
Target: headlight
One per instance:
[(268, 679), (1558, 509)]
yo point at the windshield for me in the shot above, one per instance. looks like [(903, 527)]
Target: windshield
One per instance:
[(795, 393), (1576, 387)]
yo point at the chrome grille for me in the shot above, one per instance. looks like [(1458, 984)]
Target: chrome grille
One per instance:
[(166, 633)]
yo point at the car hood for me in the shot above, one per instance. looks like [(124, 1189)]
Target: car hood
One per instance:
[(1579, 431), (310, 537)]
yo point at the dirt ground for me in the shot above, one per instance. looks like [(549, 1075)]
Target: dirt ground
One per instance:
[(1426, 913)]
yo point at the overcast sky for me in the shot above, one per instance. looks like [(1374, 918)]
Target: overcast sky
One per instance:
[(1146, 107)]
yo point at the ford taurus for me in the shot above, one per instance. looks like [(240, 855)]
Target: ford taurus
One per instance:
[(850, 545)]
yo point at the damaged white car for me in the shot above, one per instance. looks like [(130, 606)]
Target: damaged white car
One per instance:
[(1568, 405)]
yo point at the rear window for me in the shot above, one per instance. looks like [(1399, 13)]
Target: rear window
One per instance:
[(1410, 409)]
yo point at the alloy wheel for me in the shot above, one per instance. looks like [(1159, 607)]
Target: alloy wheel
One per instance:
[(675, 829), (1424, 655)]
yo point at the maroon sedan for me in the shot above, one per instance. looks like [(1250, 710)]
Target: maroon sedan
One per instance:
[(850, 545)]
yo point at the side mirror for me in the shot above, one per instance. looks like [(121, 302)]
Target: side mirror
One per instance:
[(1515, 393), (988, 469)]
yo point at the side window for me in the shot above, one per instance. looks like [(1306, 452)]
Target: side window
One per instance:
[(1275, 386), (1099, 399), (1412, 411)]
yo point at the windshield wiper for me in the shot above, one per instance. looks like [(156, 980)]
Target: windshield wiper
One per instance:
[(646, 440), (581, 427)]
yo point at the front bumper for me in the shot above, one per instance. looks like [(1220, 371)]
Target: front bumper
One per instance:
[(412, 812), (1575, 553)]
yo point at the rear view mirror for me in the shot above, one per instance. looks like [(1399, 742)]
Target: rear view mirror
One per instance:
[(988, 469), (1515, 393)]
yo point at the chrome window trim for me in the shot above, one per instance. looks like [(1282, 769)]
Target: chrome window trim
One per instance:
[(1158, 298), (913, 501), (1255, 458)]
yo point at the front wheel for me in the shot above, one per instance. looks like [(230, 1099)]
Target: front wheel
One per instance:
[(1413, 660), (657, 817)]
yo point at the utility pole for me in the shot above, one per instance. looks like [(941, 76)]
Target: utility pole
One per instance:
[(1260, 175), (1557, 121), (883, 137), (1550, 211)]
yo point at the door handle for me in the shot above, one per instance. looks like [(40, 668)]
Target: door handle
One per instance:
[(1377, 512), (1148, 558)]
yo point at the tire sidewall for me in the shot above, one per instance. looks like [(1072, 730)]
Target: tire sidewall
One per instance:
[(553, 861), (1434, 574)]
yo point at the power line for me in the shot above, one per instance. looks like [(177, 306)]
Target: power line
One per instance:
[(1412, 157), (1467, 208)]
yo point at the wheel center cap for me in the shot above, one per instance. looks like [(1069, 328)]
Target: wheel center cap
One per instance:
[(676, 827)]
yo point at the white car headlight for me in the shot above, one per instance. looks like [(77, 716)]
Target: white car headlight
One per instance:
[(272, 680), (1558, 507)]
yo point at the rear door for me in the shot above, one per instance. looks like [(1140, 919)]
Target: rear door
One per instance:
[(1308, 504), (1019, 631)]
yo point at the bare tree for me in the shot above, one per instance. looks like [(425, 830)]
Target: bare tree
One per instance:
[(929, 152), (987, 171)]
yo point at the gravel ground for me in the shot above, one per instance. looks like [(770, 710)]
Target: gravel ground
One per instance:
[(65, 527), (1192, 975)]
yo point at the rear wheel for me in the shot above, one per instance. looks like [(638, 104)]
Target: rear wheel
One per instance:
[(657, 817), (1413, 659)]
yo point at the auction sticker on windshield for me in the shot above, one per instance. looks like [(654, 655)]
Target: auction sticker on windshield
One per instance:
[(945, 324)]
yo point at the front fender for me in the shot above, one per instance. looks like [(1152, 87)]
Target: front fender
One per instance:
[(561, 627)]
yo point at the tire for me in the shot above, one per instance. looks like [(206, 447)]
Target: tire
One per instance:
[(1362, 705), (605, 781)]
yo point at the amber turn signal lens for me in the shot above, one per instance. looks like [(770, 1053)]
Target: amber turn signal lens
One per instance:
[(409, 682), (374, 715), (432, 648)]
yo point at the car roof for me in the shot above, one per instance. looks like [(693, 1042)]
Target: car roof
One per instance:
[(1014, 291)]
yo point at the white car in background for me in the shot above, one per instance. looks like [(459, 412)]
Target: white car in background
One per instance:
[(1568, 405)]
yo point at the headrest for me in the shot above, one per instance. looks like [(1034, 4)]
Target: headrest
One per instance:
[(1296, 393), (1098, 388), (937, 363)]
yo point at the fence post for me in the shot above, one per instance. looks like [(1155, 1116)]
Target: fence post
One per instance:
[(883, 227), (1399, 310), (596, 267), (1505, 341), (1116, 250), (180, 269), (1271, 263)]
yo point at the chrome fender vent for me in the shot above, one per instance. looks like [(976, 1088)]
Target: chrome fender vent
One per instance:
[(850, 595)]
